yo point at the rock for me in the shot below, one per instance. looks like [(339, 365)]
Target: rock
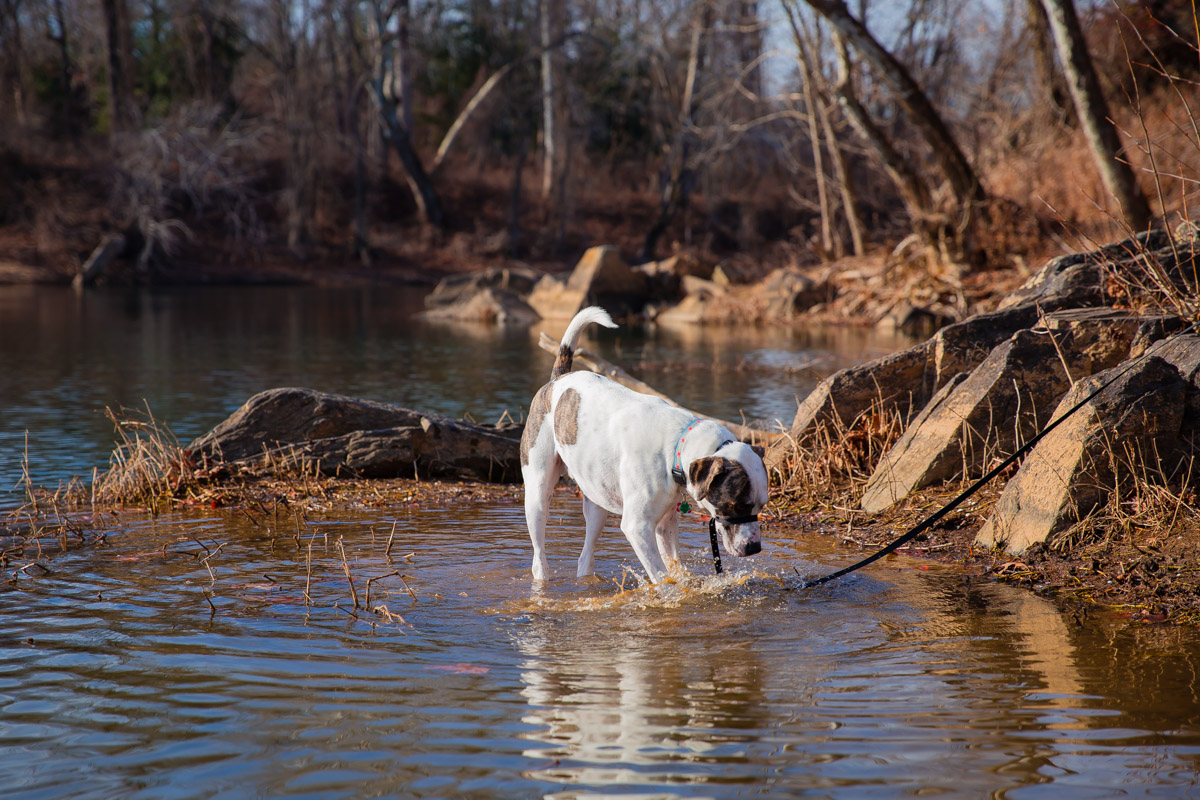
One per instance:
[(787, 292), (600, 278), (1071, 471), (553, 299), (492, 306), (1083, 279), (962, 346), (348, 436), (700, 304), (909, 378), (1183, 352), (899, 379), (1003, 402), (913, 320), (727, 275), (456, 290)]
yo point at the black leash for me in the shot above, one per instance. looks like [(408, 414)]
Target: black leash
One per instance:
[(712, 538), (931, 520)]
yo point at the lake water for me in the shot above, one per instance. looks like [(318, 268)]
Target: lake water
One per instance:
[(202, 654), (194, 355)]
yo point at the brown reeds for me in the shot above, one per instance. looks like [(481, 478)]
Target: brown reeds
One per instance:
[(833, 460)]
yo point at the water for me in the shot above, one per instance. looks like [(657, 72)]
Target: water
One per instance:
[(118, 678), (194, 355), (198, 654)]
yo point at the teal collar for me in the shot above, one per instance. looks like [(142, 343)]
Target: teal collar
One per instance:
[(677, 465)]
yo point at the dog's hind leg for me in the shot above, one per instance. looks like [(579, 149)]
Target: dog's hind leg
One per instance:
[(594, 518), (540, 480)]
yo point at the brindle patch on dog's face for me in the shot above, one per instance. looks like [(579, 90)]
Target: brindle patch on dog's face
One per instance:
[(725, 484), (538, 410), (566, 417)]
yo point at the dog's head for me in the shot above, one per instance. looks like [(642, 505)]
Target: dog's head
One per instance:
[(731, 485)]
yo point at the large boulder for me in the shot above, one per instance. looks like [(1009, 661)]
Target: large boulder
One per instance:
[(457, 290), (492, 306), (909, 378), (1155, 258), (895, 380), (351, 437), (600, 278), (702, 303), (1074, 468), (1003, 402), (785, 293)]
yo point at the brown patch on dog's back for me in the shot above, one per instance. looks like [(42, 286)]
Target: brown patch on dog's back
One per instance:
[(566, 417), (724, 483), (538, 410)]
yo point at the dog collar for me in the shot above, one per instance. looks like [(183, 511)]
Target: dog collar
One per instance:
[(677, 465)]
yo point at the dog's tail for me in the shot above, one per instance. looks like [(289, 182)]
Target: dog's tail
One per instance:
[(566, 349)]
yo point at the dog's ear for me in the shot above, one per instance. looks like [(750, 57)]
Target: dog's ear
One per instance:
[(759, 450), (704, 473)]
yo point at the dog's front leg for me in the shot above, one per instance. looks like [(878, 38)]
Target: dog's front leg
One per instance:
[(594, 518), (666, 533), (639, 530)]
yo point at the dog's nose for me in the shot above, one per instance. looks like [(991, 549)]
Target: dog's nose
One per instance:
[(752, 548)]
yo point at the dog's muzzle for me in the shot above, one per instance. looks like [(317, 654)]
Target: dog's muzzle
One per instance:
[(751, 547)]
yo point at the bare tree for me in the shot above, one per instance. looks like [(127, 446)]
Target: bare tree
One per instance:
[(959, 173), (1094, 116), (386, 97)]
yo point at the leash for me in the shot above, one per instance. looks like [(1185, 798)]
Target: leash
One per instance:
[(932, 519)]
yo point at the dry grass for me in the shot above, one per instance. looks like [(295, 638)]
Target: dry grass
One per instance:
[(829, 464)]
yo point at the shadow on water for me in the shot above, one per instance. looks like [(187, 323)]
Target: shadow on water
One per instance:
[(133, 670)]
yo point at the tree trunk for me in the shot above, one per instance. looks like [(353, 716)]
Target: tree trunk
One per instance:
[(954, 165), (1094, 116), (1054, 88), (680, 175), (912, 188), (814, 136), (424, 194), (116, 40), (384, 94), (549, 128)]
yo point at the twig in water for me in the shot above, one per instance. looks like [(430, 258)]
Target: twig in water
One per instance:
[(308, 580), (349, 577), (367, 601), (387, 551)]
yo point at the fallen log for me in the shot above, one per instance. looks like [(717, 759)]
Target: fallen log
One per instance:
[(345, 436), (589, 360)]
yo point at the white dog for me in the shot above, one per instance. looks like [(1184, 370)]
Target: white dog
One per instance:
[(631, 454)]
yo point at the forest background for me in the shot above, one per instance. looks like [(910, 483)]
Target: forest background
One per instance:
[(216, 138)]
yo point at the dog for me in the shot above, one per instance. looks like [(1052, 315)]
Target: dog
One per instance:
[(631, 454)]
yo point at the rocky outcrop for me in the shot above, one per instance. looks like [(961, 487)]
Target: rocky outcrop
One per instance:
[(600, 278), (1074, 468), (492, 295), (345, 436), (786, 293), (1002, 403)]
